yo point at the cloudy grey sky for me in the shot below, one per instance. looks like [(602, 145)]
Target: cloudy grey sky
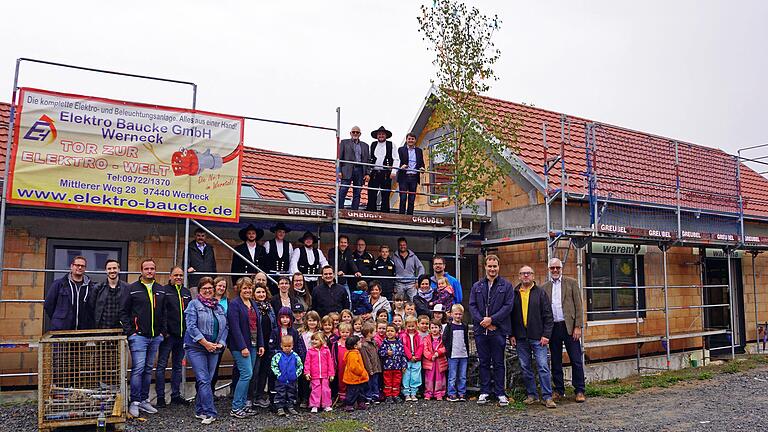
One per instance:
[(690, 70)]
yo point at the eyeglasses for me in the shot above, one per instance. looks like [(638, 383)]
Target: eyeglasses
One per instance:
[(555, 268), (78, 265), (526, 273), (355, 133)]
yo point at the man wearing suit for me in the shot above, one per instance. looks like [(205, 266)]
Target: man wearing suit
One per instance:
[(251, 249), (385, 161), (201, 258), (411, 162), (568, 314), (353, 150)]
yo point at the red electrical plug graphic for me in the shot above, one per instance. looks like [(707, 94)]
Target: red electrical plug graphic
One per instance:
[(190, 162)]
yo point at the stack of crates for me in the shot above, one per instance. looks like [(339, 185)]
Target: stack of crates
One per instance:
[(81, 377)]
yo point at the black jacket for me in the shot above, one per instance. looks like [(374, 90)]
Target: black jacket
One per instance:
[(422, 306), (100, 295), (448, 338), (277, 304), (176, 302), (540, 321), (239, 265), (364, 262), (67, 309), (346, 264), (327, 299), (202, 262), (137, 313), (402, 152), (382, 267)]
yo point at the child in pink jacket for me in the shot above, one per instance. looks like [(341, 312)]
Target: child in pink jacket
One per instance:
[(413, 353), (319, 371), (434, 362)]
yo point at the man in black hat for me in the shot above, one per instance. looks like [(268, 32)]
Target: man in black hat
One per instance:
[(386, 161), (251, 249), (278, 251), (308, 259), (352, 150)]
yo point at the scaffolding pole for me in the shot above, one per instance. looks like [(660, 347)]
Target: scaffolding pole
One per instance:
[(666, 304), (732, 301), (754, 293)]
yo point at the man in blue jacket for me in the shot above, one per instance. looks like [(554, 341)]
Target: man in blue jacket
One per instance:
[(438, 269), (490, 302), (68, 301)]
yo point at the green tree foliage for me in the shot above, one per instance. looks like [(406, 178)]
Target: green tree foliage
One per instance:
[(461, 39)]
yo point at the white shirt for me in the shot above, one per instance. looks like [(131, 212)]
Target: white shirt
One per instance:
[(557, 300), (381, 152), (252, 250), (310, 259), (279, 244)]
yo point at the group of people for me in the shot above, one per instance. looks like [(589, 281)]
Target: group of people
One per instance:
[(371, 330), (377, 165)]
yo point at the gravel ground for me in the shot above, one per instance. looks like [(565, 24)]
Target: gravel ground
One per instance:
[(726, 402)]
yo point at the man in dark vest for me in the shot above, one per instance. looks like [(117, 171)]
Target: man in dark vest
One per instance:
[(408, 177), (201, 258), (251, 249), (177, 298), (385, 161), (278, 251), (352, 150), (307, 259)]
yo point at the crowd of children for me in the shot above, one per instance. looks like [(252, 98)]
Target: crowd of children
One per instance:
[(356, 360)]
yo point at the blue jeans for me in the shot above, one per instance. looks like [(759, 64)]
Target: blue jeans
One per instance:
[(245, 366), (490, 353), (526, 349), (457, 376), (356, 180), (172, 345), (143, 353), (204, 365)]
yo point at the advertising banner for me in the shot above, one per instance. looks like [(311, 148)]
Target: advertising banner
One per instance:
[(105, 155)]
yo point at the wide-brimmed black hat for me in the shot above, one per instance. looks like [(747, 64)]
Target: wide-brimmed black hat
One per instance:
[(381, 129), (244, 231), (280, 226), (309, 234)]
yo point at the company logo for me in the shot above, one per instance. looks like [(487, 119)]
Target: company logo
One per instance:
[(43, 130)]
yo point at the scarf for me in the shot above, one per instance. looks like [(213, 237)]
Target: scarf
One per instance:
[(426, 295), (264, 307), (210, 303)]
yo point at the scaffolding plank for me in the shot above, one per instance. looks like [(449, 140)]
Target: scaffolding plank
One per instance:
[(620, 341), (686, 335)]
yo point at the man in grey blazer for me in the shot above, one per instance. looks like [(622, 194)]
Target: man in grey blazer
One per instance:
[(352, 150), (568, 312)]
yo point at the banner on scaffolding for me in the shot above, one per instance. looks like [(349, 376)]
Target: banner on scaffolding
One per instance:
[(106, 155)]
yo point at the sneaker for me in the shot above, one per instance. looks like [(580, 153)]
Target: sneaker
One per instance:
[(238, 413), (160, 403), (530, 400), (303, 405), (503, 401), (462, 398), (313, 410), (200, 416), (549, 403), (482, 399), (208, 420), (452, 399), (439, 398), (147, 407), (262, 403), (248, 404), (133, 410), (177, 400), (328, 409), (281, 412), (292, 411), (376, 401)]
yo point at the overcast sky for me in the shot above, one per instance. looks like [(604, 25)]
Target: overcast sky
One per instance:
[(690, 70)]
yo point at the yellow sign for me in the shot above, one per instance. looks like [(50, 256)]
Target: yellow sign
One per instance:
[(99, 154)]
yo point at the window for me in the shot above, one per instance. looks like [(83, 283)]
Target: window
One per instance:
[(295, 195), (614, 271), (249, 192), (61, 252)]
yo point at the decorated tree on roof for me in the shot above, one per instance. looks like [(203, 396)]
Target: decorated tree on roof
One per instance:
[(461, 39)]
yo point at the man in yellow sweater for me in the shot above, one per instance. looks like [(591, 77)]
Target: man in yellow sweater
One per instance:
[(531, 330)]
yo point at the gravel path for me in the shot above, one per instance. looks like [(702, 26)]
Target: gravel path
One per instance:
[(726, 402)]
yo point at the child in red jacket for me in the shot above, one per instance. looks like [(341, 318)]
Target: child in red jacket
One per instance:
[(434, 362)]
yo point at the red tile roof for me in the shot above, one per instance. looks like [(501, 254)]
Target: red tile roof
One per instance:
[(631, 165)]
